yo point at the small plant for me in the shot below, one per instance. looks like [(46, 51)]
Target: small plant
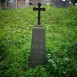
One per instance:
[(62, 65), (39, 71)]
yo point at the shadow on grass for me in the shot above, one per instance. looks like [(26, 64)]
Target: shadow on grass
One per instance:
[(3, 55)]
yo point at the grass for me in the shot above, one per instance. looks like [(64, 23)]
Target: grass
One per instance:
[(61, 37)]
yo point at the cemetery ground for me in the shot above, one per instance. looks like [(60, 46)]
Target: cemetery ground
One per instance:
[(61, 42)]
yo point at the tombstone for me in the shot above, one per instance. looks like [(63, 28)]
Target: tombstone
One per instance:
[(11, 3), (21, 3), (60, 3), (37, 55), (27, 2), (17, 3), (48, 2), (35, 2)]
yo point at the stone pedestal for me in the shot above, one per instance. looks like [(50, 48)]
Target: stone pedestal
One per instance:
[(37, 56)]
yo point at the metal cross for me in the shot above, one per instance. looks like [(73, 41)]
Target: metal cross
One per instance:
[(39, 10)]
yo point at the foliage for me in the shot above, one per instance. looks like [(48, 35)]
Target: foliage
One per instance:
[(15, 42), (39, 71), (60, 65), (73, 2), (2, 1)]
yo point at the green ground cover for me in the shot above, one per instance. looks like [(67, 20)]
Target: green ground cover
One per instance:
[(61, 42)]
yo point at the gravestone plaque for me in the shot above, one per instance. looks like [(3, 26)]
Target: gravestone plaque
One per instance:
[(60, 3), (37, 56)]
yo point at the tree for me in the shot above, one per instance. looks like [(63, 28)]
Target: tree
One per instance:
[(2, 4), (2, 1), (74, 1)]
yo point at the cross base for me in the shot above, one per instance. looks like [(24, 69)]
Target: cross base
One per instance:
[(38, 56)]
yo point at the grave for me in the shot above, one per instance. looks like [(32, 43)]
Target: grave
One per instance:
[(60, 3), (35, 2), (37, 55), (11, 4), (16, 3)]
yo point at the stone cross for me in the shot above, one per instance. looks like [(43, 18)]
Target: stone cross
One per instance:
[(39, 9)]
